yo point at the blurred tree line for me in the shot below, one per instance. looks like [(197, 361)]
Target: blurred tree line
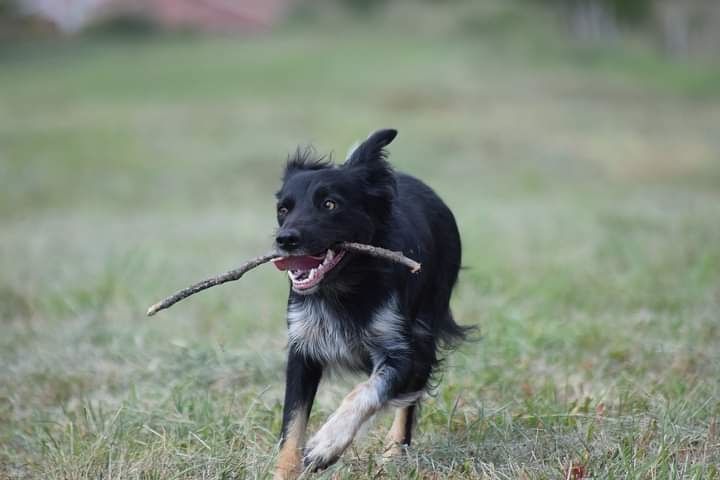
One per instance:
[(680, 27)]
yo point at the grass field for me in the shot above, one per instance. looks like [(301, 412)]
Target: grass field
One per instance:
[(586, 184)]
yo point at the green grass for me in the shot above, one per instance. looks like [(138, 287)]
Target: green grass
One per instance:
[(587, 193)]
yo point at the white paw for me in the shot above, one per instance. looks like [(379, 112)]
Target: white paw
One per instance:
[(326, 446)]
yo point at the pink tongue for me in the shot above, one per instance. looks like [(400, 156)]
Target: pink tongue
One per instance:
[(297, 263)]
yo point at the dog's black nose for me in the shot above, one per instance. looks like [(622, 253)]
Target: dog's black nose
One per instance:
[(288, 239)]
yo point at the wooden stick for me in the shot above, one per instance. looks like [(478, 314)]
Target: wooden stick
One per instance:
[(235, 274), (211, 282), (396, 257)]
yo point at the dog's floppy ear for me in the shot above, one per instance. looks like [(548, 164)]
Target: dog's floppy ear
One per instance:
[(371, 149)]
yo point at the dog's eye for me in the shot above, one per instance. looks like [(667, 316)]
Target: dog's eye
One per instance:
[(329, 205), (282, 211)]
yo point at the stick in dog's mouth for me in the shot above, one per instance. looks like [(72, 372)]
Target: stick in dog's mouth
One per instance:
[(307, 271), (304, 271)]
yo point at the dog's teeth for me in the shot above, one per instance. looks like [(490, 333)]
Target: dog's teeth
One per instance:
[(312, 274), (329, 256)]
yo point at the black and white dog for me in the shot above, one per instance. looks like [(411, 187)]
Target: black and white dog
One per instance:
[(357, 312)]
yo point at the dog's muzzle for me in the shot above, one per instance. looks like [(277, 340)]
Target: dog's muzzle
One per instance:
[(307, 271)]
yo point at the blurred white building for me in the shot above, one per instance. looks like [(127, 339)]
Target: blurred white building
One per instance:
[(213, 15)]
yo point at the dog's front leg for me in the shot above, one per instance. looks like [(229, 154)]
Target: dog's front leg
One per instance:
[(366, 399), (303, 377)]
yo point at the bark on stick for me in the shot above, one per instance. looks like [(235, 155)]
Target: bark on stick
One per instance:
[(235, 274), (397, 257)]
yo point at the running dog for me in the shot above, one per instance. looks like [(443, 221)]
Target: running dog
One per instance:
[(359, 313)]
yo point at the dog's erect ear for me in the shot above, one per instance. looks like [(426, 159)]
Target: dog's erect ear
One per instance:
[(371, 149), (375, 173)]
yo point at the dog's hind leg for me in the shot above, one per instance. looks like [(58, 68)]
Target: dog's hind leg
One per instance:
[(400, 433), (303, 377)]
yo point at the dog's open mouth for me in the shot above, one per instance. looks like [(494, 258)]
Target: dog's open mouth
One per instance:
[(307, 271)]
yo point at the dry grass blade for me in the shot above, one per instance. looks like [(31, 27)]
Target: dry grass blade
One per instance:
[(235, 274)]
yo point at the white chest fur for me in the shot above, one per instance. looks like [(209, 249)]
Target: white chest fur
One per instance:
[(315, 330)]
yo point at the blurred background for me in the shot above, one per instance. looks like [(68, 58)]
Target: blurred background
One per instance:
[(577, 142)]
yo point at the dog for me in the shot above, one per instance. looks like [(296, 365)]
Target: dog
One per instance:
[(359, 313)]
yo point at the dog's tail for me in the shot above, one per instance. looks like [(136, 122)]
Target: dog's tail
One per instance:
[(451, 334)]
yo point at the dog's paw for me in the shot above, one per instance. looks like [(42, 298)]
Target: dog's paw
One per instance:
[(316, 462), (326, 446), (394, 450)]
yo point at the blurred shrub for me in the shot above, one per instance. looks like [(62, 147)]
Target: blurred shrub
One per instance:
[(15, 24), (627, 11), (363, 7), (9, 12), (633, 12), (7, 8), (124, 24)]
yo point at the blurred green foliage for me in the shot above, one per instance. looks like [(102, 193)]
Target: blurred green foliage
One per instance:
[(630, 11), (7, 8), (363, 6), (124, 25)]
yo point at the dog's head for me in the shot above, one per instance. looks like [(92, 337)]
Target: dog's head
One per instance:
[(322, 204)]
